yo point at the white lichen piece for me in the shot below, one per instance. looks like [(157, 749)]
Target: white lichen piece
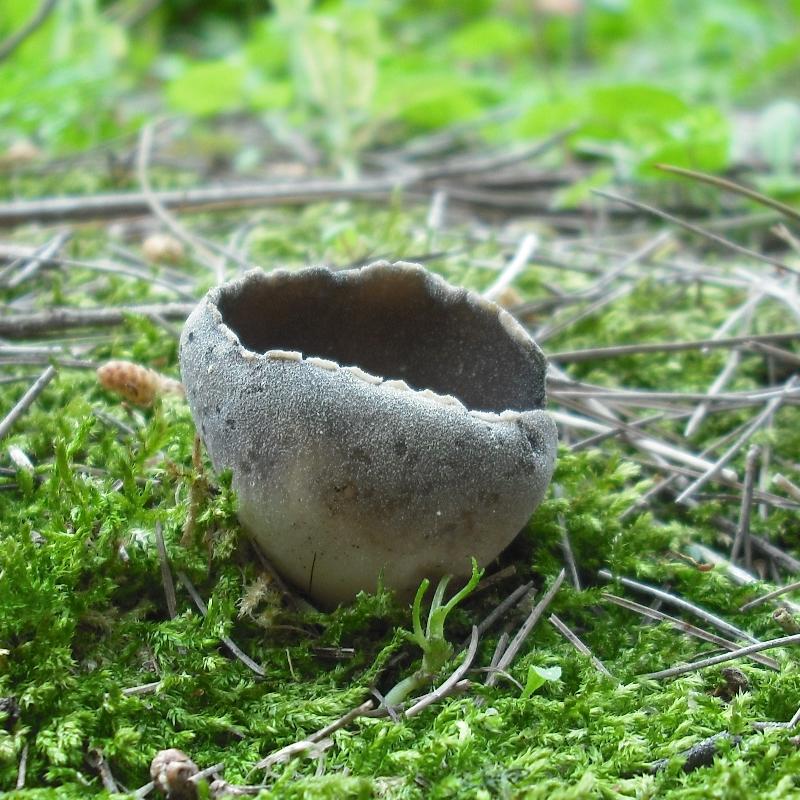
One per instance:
[(359, 373), (323, 363), (397, 385), (284, 355), (486, 416)]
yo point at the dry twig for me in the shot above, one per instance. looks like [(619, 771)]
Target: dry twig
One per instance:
[(166, 573), (573, 639), (226, 640), (25, 402), (521, 258), (679, 602), (736, 188), (737, 248), (753, 427), (514, 647), (9, 45), (21, 326), (22, 771), (764, 598), (615, 351), (720, 659), (742, 537), (684, 627)]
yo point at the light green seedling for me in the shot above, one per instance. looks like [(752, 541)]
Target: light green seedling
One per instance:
[(436, 650)]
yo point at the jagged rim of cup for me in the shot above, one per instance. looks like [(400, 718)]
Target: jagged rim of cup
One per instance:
[(510, 325)]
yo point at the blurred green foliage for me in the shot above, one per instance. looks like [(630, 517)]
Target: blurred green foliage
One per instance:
[(643, 80)]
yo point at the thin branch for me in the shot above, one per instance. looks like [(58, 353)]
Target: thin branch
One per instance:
[(572, 638), (720, 659), (204, 198), (790, 488), (736, 188), (496, 577), (23, 768), (776, 352), (698, 230), (719, 383), (700, 754), (166, 573), (502, 607), (731, 452), (654, 399), (204, 249), (9, 45), (703, 554), (616, 351), (770, 550), (591, 441), (640, 442), (145, 688), (98, 761), (293, 749), (476, 165), (596, 291), (449, 684), (566, 543), (12, 276), (21, 326), (126, 204), (343, 721), (743, 313), (516, 643), (764, 598), (514, 267), (214, 769), (684, 627), (143, 791), (24, 403), (226, 640), (499, 649), (679, 602), (742, 537)]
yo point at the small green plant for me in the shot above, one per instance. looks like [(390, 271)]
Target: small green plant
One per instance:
[(537, 677), (436, 650)]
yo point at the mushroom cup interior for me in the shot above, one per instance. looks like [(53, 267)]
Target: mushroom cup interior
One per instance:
[(397, 323)]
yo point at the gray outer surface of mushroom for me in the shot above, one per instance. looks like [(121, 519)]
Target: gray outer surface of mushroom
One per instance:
[(341, 475)]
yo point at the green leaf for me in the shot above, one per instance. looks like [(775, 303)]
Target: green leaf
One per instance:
[(208, 88), (489, 37), (433, 98), (617, 109), (537, 677)]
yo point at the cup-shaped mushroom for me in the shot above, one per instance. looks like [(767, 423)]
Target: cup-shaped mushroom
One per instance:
[(378, 422)]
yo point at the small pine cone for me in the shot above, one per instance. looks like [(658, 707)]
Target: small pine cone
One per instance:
[(19, 153), (137, 384), (162, 248), (170, 771)]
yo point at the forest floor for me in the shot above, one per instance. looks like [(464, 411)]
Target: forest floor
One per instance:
[(135, 618), (638, 638)]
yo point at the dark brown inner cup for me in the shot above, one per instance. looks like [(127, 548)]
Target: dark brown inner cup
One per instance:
[(394, 324)]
